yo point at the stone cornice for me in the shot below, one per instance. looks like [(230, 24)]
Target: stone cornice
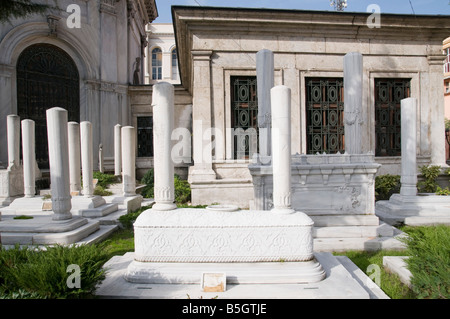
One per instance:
[(213, 22)]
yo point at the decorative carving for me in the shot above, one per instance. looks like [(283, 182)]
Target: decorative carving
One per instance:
[(210, 236), (52, 21), (137, 71)]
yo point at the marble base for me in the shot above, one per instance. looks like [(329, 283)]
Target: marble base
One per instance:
[(344, 280), (94, 206), (236, 273), (29, 206), (423, 209), (42, 230), (130, 203)]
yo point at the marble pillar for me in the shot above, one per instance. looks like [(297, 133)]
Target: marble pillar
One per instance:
[(202, 170), (265, 82), (163, 122), (74, 158), (117, 150), (58, 153), (13, 132), (128, 160), (87, 159), (281, 148), (409, 147), (29, 158), (353, 102), (101, 159)]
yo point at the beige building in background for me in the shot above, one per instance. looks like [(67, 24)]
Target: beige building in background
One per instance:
[(161, 60), (217, 47)]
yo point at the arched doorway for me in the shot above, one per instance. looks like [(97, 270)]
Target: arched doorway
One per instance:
[(46, 77)]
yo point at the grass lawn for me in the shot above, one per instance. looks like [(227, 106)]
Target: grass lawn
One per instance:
[(428, 248)]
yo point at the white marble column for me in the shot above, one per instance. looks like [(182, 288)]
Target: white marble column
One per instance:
[(353, 100), (74, 157), (117, 150), (58, 153), (265, 80), (87, 159), (202, 170), (13, 132), (128, 160), (163, 122), (29, 158), (409, 147), (281, 148)]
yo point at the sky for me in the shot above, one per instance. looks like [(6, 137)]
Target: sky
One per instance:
[(386, 6)]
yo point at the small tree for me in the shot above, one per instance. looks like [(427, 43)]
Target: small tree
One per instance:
[(21, 9)]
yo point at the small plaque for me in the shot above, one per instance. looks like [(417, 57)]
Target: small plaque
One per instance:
[(46, 205), (214, 282)]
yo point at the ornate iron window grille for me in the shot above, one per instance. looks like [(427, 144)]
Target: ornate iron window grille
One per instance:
[(46, 77), (244, 112), (325, 115), (145, 136), (388, 96)]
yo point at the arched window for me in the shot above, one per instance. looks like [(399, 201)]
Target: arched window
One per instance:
[(46, 77), (174, 64), (156, 64)]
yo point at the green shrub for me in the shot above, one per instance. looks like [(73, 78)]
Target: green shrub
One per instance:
[(182, 190), (148, 180), (104, 180), (429, 173), (429, 261), (386, 185), (100, 191), (182, 187), (128, 219), (26, 272)]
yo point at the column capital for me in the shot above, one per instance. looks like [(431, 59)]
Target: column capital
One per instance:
[(202, 55), (436, 59)]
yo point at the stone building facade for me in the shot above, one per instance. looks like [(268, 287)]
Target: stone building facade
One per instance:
[(217, 47), (82, 59)]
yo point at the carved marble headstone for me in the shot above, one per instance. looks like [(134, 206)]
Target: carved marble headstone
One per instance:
[(353, 89), (74, 157), (117, 150), (163, 111), (29, 157), (409, 147), (265, 82), (58, 153), (128, 161), (87, 159), (281, 145)]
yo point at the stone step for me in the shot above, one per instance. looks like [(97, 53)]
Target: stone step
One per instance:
[(397, 265), (101, 234), (358, 244), (62, 238), (113, 218), (344, 220), (100, 211), (353, 231)]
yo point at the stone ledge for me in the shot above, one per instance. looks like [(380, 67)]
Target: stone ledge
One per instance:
[(397, 265), (340, 283)]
